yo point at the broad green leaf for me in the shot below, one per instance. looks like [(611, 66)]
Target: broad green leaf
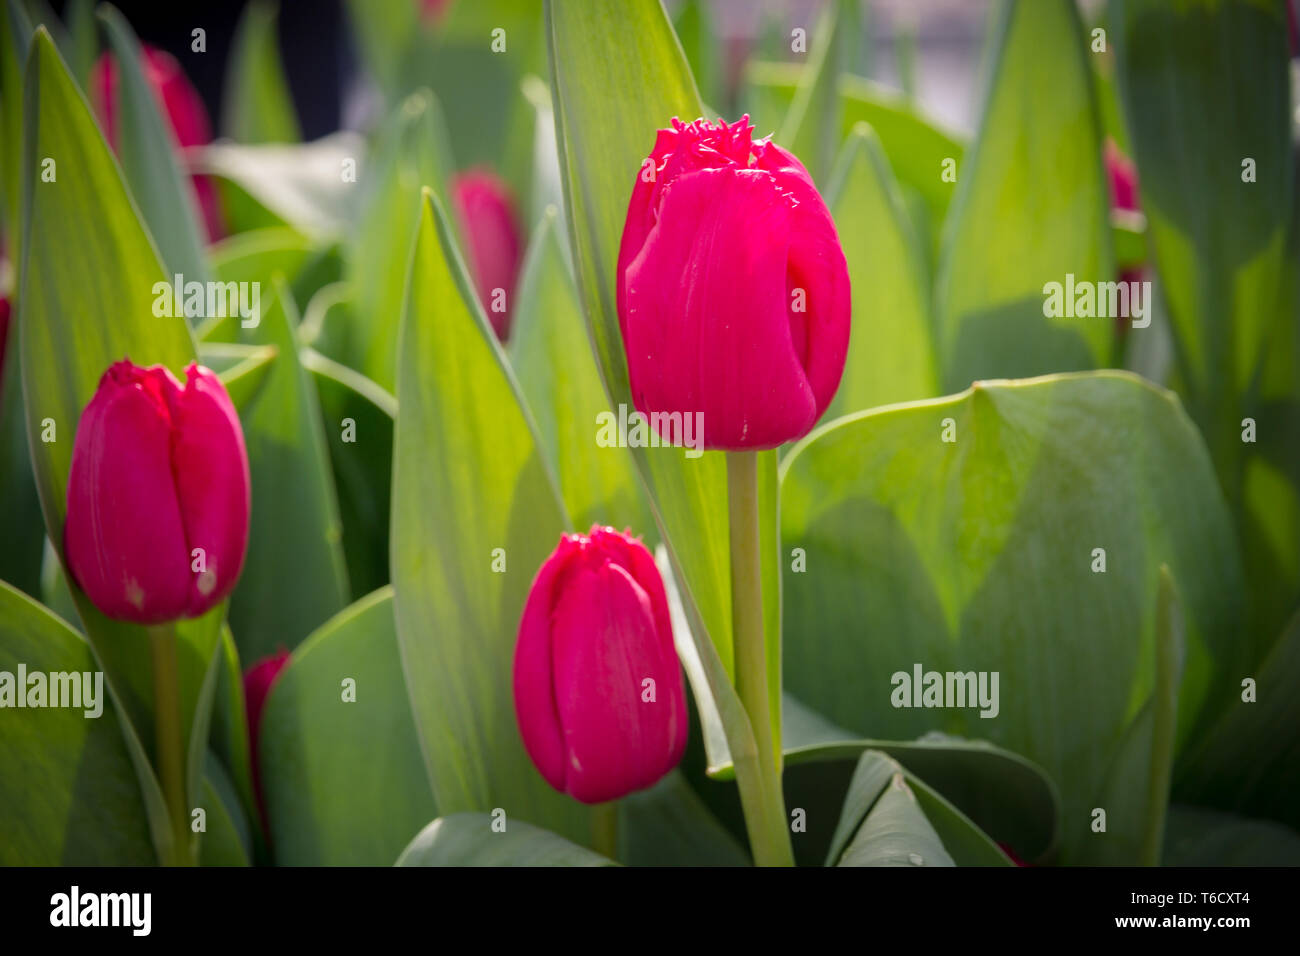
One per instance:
[(891, 350), (359, 428), (668, 825), (1200, 837), (304, 186), (343, 779), (470, 839), (83, 44), (295, 521), (882, 823), (1030, 209), (147, 150), (88, 274), (978, 555), (258, 107), (551, 354), (1249, 761), (696, 30), (412, 153), (21, 527), (619, 75), (469, 478), (15, 37), (229, 736), (1215, 160), (1006, 796), (68, 793), (811, 129), (228, 840)]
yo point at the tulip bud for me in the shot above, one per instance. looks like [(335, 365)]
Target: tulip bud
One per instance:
[(733, 292), (158, 495), (487, 219), (1122, 175), (598, 688), (181, 105), (258, 681)]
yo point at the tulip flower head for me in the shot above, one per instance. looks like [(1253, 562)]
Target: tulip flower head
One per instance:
[(487, 220), (258, 681), (733, 292), (158, 495), (598, 688)]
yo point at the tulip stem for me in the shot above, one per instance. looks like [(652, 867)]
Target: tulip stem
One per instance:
[(760, 793), (169, 750), (604, 829)]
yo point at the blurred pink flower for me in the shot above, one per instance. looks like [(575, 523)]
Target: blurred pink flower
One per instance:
[(487, 219)]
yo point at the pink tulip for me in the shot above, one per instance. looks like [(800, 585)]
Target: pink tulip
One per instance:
[(158, 495), (181, 105), (258, 681), (487, 219), (598, 688), (1122, 175), (733, 293), (433, 11)]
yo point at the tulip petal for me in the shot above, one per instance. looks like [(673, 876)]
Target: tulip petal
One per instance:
[(605, 644), (707, 311), (123, 537), (210, 465)]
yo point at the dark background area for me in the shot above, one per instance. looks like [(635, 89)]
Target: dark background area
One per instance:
[(314, 45)]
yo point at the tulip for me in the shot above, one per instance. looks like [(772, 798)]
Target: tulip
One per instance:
[(433, 11), (733, 292), (598, 688), (1122, 176), (487, 219), (258, 681), (158, 495), (181, 105)]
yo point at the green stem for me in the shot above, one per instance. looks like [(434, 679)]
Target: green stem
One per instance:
[(761, 793), (604, 829), (169, 746)]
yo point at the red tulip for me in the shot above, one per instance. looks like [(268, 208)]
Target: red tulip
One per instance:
[(487, 219), (432, 11), (158, 495), (598, 688), (733, 293), (181, 105), (258, 681), (1122, 175)]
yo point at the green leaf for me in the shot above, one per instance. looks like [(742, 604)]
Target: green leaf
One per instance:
[(551, 354), (882, 824), (811, 129), (668, 825), (147, 150), (258, 106), (254, 257), (302, 186), (68, 792), (343, 779), (1225, 241), (1003, 794), (1249, 761), (470, 839), (228, 838), (1035, 175), (15, 37), (412, 153), (88, 273), (468, 479), (977, 555), (295, 521), (244, 369), (359, 426), (891, 350), (696, 30), (229, 737), (1199, 837)]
